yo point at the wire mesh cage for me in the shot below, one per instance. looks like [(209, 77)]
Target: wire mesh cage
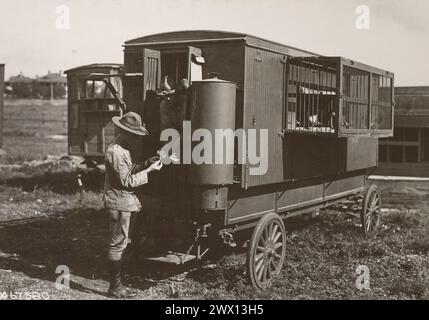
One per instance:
[(338, 96), (311, 98)]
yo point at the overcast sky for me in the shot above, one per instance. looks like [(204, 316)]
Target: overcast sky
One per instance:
[(398, 38)]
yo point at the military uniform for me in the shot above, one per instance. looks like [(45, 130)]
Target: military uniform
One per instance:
[(121, 179), (119, 196)]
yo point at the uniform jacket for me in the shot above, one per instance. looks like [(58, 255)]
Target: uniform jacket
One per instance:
[(121, 181)]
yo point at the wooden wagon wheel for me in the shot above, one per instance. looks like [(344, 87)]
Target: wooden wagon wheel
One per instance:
[(266, 251), (370, 214)]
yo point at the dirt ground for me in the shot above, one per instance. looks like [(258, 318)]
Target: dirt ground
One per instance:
[(46, 222), (55, 225)]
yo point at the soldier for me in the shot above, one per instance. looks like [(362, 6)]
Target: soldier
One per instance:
[(119, 193)]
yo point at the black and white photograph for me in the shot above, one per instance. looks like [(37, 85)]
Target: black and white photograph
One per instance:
[(224, 152)]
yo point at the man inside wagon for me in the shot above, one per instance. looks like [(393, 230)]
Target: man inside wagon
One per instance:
[(121, 180)]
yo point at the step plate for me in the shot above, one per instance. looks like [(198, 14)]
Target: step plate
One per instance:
[(173, 258)]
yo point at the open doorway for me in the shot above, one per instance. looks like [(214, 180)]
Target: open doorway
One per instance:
[(174, 67), (179, 65), (166, 103)]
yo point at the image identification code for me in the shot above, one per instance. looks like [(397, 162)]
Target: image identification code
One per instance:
[(23, 295), (215, 309)]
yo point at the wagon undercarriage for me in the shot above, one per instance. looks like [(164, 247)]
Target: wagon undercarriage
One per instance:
[(181, 241)]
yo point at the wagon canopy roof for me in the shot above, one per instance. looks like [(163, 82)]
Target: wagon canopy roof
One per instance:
[(96, 65), (206, 36), (188, 35)]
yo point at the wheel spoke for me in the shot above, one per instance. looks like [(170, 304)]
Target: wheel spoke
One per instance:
[(260, 271), (274, 232), (264, 274), (373, 210), (374, 200), (260, 248), (272, 263), (277, 255), (259, 256), (374, 220), (270, 231), (258, 265), (278, 235), (269, 271), (278, 245), (368, 223), (263, 238)]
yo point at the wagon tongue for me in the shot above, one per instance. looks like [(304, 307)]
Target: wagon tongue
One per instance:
[(173, 258)]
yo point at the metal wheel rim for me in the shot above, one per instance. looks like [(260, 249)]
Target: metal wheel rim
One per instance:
[(269, 253)]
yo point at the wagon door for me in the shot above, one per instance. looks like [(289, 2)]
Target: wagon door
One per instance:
[(151, 70), (263, 101), (195, 64)]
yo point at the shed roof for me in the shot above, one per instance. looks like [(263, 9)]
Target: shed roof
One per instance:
[(19, 79), (412, 101), (412, 90)]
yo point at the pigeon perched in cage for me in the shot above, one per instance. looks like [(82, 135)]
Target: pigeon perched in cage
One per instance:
[(313, 120)]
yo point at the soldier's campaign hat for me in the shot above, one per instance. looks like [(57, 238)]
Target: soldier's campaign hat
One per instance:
[(131, 122)]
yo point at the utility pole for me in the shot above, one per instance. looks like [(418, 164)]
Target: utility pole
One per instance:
[(52, 91)]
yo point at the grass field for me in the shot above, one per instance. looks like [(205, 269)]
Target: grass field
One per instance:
[(33, 129), (46, 222)]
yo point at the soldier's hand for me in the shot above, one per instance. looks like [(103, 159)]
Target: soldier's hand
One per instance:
[(151, 160), (156, 166), (166, 159)]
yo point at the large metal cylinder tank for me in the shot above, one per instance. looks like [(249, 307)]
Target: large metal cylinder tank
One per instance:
[(213, 107)]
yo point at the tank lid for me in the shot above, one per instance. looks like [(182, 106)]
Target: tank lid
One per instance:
[(213, 79)]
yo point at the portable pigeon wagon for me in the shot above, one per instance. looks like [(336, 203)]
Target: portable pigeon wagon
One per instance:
[(323, 117), (93, 92)]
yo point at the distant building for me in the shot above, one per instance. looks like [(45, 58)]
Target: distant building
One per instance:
[(52, 86), (21, 86), (407, 153)]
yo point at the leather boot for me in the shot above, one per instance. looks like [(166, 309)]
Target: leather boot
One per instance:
[(116, 289)]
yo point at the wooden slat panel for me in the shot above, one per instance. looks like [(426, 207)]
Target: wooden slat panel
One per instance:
[(264, 89)]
